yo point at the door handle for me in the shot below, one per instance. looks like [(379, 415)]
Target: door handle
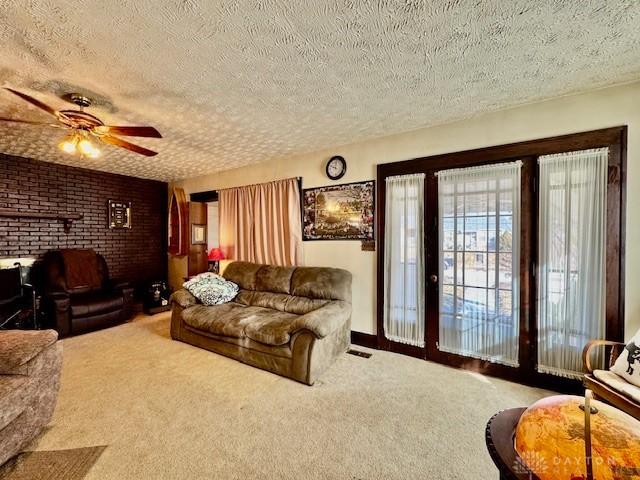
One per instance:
[(433, 278)]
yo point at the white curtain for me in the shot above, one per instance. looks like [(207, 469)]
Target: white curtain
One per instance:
[(479, 280), (571, 293), (404, 304)]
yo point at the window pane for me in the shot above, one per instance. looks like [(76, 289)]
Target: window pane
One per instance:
[(505, 275), (475, 269), (447, 261)]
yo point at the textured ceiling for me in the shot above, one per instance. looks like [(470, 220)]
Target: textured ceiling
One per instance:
[(234, 83)]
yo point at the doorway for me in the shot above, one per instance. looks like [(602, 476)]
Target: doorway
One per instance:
[(203, 219)]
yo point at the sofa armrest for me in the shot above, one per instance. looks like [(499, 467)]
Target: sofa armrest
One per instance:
[(57, 304), (17, 347), (184, 298), (324, 320), (60, 299), (616, 348), (118, 284)]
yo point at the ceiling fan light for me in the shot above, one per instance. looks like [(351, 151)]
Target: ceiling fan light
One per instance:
[(69, 144), (88, 149)]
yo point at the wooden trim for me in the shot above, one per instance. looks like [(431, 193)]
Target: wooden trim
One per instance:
[(197, 259), (528, 151), (604, 392), (177, 223), (616, 348), (364, 339), (204, 197), (505, 153)]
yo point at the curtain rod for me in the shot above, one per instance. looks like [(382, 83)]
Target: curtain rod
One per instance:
[(299, 179)]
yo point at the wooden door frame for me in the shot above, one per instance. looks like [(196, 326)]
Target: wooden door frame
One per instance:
[(615, 138), (197, 254)]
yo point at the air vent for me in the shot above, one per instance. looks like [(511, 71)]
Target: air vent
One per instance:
[(358, 353)]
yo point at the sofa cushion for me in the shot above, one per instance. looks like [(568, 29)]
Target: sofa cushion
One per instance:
[(272, 327), (270, 278), (239, 321), (264, 325), (242, 274), (86, 304), (18, 347), (225, 319), (618, 383), (324, 283), (279, 301)]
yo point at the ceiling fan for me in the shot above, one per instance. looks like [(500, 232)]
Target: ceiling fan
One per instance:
[(85, 127)]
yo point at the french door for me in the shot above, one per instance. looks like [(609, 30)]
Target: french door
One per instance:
[(453, 252), (459, 244), (476, 290)]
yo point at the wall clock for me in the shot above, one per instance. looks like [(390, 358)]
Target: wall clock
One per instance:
[(336, 167)]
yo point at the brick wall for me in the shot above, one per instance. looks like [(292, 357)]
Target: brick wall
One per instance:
[(138, 254)]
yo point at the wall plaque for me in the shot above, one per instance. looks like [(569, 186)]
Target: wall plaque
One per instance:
[(119, 214)]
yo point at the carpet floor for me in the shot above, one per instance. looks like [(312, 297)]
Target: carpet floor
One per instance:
[(167, 410)]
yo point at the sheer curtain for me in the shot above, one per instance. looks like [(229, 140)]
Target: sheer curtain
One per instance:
[(479, 231), (261, 223), (571, 293), (404, 304)]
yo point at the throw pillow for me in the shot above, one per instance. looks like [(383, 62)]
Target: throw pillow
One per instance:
[(211, 289), (628, 363)]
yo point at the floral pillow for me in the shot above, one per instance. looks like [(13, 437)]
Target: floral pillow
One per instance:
[(211, 289), (628, 363)]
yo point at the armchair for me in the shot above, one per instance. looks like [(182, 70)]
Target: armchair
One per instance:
[(606, 385), (79, 295)]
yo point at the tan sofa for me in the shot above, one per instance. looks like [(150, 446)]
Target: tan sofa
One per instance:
[(293, 321), (30, 365)]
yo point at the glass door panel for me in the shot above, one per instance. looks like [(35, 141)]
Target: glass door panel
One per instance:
[(478, 219)]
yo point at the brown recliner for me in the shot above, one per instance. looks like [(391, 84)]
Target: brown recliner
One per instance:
[(79, 296)]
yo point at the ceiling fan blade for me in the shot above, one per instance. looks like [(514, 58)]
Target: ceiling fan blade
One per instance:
[(118, 142), (29, 122), (33, 101), (128, 131)]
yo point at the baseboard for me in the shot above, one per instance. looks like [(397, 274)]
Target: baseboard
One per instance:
[(364, 339)]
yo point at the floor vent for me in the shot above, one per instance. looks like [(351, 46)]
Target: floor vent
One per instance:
[(358, 353)]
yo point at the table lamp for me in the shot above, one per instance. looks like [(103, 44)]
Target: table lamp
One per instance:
[(215, 255)]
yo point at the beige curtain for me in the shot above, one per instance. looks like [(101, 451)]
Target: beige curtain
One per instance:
[(261, 223)]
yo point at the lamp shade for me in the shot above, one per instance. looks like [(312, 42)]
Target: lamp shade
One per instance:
[(216, 254)]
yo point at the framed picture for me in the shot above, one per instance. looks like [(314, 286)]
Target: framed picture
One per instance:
[(119, 214), (198, 234), (339, 212)]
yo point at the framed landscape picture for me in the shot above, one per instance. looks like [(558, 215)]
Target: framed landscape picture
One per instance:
[(339, 212)]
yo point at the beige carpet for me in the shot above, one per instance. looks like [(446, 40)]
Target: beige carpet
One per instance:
[(167, 410)]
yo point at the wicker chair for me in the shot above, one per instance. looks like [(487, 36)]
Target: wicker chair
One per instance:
[(603, 383)]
